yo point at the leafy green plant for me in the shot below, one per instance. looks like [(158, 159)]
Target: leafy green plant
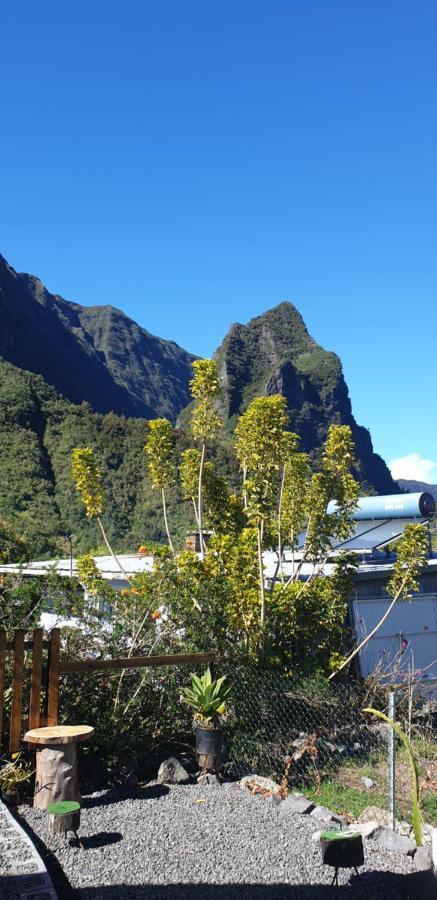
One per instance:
[(14, 772), (207, 697), (416, 817)]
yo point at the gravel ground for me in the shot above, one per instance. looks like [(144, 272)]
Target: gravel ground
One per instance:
[(193, 843), (15, 858)]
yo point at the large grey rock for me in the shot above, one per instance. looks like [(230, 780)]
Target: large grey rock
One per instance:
[(171, 771), (366, 829), (374, 814), (324, 814), (423, 859), (296, 805), (397, 843)]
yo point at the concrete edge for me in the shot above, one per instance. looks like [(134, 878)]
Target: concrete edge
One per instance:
[(36, 885)]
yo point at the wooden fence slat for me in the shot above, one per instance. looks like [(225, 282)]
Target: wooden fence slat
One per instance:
[(17, 692), (2, 680), (28, 645), (35, 686), (133, 662), (53, 677)]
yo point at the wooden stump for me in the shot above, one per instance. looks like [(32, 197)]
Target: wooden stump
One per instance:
[(57, 779), (56, 769)]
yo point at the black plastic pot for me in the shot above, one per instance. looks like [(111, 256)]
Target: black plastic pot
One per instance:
[(209, 740), (209, 743)]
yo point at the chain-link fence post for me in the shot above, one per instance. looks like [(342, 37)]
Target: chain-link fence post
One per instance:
[(391, 762)]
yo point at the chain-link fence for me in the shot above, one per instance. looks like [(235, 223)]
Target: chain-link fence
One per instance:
[(314, 736), (311, 735)]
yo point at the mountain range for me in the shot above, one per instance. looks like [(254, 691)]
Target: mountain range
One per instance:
[(414, 487), (74, 375)]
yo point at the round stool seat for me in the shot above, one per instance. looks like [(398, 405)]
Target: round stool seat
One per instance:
[(63, 807), (59, 734)]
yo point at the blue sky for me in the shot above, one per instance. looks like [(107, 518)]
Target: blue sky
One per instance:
[(196, 163)]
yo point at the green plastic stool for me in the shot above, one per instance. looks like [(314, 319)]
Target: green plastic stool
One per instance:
[(66, 808), (342, 850)]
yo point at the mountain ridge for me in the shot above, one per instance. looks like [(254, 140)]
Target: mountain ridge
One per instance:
[(90, 376), (96, 354), (274, 353)]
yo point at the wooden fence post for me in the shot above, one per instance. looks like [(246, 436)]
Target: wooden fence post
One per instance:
[(35, 687), (53, 677), (17, 692), (2, 679)]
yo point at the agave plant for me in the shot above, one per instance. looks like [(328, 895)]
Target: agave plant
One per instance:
[(207, 697)]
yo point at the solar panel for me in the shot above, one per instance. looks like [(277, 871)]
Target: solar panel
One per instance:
[(383, 533)]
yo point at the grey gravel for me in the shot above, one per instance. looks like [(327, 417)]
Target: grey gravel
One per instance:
[(205, 843), (16, 859)]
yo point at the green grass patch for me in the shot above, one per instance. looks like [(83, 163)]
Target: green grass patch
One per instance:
[(342, 799)]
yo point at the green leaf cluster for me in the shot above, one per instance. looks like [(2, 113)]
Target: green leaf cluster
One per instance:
[(207, 696)]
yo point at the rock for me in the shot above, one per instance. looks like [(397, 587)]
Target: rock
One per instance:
[(257, 784), (321, 812), (296, 805), (209, 778), (171, 771), (275, 799), (374, 814), (366, 829), (390, 840), (423, 859), (368, 782)]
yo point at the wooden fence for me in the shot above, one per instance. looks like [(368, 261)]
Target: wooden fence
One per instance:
[(45, 671)]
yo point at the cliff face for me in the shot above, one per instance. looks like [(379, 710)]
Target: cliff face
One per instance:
[(94, 353), (273, 354), (99, 355)]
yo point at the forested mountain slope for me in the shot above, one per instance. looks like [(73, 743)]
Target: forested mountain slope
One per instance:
[(38, 429)]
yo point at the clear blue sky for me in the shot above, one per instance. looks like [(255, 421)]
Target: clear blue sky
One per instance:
[(195, 163)]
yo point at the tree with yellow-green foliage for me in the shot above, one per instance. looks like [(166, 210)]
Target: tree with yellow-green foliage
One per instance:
[(205, 422), (161, 463), (88, 480)]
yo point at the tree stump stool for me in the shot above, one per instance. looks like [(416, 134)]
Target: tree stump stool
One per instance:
[(342, 850), (56, 769)]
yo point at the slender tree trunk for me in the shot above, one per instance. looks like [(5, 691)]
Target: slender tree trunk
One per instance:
[(370, 635), (115, 558), (195, 511), (281, 495), (262, 590), (199, 503), (244, 489), (164, 509)]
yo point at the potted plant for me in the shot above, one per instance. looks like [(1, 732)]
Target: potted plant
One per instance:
[(13, 773), (207, 696)]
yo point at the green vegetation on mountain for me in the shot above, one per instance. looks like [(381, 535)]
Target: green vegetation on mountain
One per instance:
[(38, 430)]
